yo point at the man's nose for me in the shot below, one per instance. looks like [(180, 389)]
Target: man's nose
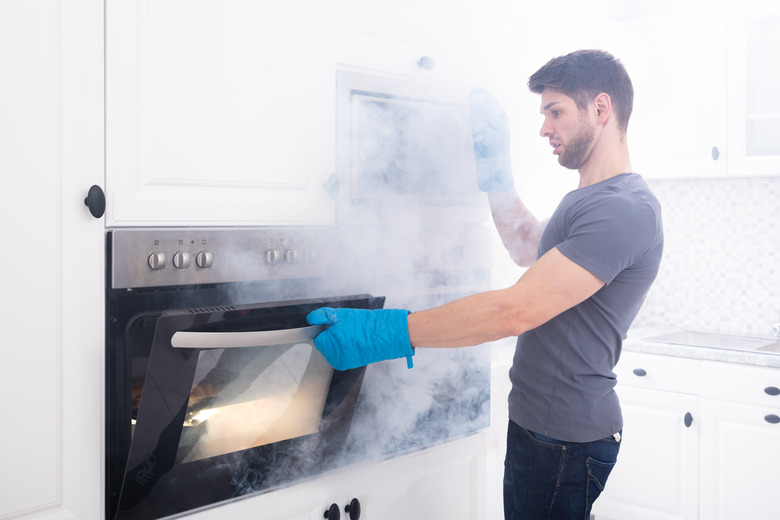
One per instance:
[(546, 129)]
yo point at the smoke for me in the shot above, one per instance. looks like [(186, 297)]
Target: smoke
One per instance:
[(445, 396), (412, 227)]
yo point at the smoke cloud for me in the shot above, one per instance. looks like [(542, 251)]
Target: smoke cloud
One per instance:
[(413, 227)]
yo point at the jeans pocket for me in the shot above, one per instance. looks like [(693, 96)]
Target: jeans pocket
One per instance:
[(598, 472), (543, 440)]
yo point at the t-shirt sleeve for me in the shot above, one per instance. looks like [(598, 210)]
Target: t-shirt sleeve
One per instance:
[(609, 235)]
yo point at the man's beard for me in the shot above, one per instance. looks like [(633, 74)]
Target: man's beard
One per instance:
[(578, 149)]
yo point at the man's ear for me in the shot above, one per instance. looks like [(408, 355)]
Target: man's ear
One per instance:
[(603, 104)]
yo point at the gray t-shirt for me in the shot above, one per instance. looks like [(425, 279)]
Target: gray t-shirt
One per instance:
[(562, 376)]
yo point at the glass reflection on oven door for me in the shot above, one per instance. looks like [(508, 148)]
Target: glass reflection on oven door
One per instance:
[(247, 397)]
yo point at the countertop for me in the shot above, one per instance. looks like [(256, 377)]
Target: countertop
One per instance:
[(643, 340)]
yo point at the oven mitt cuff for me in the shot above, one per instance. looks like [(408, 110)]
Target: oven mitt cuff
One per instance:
[(358, 337), (490, 134)]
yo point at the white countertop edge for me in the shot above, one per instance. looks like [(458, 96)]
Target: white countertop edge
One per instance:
[(636, 342)]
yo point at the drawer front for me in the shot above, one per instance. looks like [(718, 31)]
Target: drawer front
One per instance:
[(655, 372), (741, 383)]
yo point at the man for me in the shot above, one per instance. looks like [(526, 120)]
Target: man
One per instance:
[(591, 266)]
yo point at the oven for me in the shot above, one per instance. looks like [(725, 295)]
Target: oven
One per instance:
[(213, 388)]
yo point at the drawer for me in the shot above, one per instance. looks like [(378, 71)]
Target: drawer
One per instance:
[(655, 372), (741, 383)]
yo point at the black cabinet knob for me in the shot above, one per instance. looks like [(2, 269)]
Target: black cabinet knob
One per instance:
[(333, 512), (772, 390), (641, 372), (96, 201), (772, 418), (353, 508), (688, 419)]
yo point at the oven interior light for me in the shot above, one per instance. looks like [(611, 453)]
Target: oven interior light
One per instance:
[(203, 415)]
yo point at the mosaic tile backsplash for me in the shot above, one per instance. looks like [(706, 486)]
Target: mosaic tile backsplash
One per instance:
[(721, 266)]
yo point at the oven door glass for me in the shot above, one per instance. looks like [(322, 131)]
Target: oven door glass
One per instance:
[(235, 399)]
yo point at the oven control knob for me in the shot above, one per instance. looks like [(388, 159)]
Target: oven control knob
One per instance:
[(157, 261), (205, 259), (310, 256), (181, 260), (292, 256), (273, 256)]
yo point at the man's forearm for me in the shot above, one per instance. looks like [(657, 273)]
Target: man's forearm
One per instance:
[(476, 319), (518, 228)]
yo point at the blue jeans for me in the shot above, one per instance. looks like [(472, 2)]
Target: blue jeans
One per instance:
[(547, 479)]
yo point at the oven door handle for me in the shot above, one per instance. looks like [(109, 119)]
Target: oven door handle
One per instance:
[(256, 338)]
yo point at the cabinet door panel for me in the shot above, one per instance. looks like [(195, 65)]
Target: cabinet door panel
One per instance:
[(219, 114), (740, 457), (446, 481), (677, 65), (656, 474), (51, 135), (754, 113)]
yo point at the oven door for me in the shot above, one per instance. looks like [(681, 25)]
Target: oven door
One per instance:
[(235, 400)]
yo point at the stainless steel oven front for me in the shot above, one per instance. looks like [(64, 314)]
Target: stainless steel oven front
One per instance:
[(213, 387)]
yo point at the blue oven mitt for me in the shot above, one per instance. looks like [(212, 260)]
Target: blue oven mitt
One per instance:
[(490, 133), (357, 337)]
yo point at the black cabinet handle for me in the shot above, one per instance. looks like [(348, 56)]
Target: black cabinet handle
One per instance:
[(353, 508), (688, 419), (772, 390), (333, 512), (641, 372), (96, 201), (772, 418)]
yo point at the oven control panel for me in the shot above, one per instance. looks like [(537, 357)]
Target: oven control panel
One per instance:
[(162, 257)]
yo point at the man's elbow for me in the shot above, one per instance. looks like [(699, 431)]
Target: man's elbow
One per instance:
[(517, 322), (523, 259)]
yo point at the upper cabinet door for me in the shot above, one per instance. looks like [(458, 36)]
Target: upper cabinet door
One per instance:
[(219, 113), (754, 81), (677, 63), (418, 38)]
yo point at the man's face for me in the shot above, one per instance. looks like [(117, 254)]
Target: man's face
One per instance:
[(569, 129)]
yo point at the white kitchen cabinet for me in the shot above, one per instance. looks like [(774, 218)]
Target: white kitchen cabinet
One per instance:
[(740, 448), (677, 63), (656, 476), (754, 80), (740, 457), (704, 101), (51, 152), (720, 463), (422, 39), (219, 113), (446, 481)]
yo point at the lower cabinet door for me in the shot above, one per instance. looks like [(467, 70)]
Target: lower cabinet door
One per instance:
[(740, 450), (445, 481), (656, 476)]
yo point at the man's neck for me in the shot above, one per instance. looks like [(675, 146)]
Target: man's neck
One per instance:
[(605, 162)]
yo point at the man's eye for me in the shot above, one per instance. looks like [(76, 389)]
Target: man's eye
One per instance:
[(556, 113)]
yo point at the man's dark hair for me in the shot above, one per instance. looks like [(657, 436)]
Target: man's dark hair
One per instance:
[(583, 75)]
